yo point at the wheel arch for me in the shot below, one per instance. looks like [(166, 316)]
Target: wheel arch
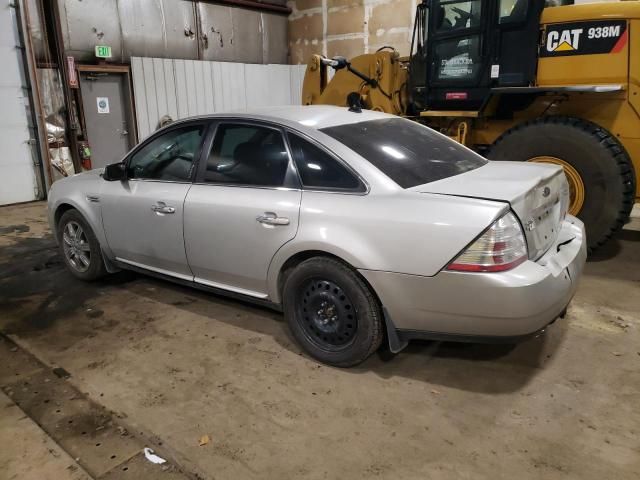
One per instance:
[(297, 258), (92, 216), (58, 212), (389, 334)]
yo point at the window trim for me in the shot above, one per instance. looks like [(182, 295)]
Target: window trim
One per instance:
[(208, 145), (362, 189), (176, 126)]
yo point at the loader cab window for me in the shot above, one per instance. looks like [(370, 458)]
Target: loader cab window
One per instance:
[(512, 11), (456, 53), (455, 15)]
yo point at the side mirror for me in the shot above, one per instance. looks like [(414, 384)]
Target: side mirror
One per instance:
[(115, 172)]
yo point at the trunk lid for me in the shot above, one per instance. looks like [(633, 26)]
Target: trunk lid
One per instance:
[(537, 193)]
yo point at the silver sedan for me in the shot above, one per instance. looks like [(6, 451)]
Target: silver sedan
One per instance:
[(361, 227)]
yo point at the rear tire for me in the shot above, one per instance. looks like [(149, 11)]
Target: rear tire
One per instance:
[(79, 247), (332, 313), (601, 163)]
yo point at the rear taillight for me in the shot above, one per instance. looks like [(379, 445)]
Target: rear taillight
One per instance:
[(500, 248)]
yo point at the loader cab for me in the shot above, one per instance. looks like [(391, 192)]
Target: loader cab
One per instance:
[(462, 49)]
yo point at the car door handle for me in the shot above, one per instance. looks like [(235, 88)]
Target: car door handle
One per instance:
[(161, 207), (270, 218)]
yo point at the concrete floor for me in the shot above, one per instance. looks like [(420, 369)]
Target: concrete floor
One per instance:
[(31, 454), (176, 364)]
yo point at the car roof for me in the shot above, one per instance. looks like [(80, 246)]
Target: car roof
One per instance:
[(310, 116)]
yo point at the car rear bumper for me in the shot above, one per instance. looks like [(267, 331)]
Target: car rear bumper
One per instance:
[(486, 306)]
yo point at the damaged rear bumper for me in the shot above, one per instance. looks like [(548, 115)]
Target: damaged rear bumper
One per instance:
[(484, 307)]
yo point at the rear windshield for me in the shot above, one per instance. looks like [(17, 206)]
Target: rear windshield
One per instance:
[(410, 154)]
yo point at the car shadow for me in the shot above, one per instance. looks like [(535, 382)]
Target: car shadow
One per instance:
[(477, 367), (615, 246), (40, 272), (485, 368)]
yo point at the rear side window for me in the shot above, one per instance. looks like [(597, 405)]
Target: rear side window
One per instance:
[(408, 153), (249, 155), (320, 170)]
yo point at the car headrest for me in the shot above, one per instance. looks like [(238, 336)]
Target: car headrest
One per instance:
[(247, 154), (267, 156)]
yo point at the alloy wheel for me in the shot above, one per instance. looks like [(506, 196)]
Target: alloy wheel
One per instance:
[(76, 247)]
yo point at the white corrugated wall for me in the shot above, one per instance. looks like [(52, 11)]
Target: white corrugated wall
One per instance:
[(17, 170), (183, 88)]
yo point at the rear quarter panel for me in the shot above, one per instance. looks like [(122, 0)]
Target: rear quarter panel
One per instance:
[(406, 232)]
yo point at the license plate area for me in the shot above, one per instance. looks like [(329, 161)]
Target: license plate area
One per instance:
[(564, 250)]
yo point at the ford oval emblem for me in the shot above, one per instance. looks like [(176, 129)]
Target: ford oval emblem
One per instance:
[(546, 192)]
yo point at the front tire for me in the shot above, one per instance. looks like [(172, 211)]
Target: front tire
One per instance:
[(332, 313), (599, 170), (79, 247)]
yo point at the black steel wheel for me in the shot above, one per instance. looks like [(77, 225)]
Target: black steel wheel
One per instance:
[(332, 312), (328, 317)]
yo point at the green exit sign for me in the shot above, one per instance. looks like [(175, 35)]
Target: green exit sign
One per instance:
[(103, 51)]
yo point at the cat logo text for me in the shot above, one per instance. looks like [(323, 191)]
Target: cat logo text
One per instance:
[(564, 41)]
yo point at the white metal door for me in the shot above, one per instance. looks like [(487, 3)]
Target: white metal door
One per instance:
[(18, 181)]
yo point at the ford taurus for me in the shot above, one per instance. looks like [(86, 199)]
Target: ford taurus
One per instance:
[(360, 227)]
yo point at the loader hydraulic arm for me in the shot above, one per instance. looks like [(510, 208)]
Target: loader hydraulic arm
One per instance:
[(377, 79), (338, 63)]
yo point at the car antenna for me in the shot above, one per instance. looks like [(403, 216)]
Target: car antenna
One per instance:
[(354, 101)]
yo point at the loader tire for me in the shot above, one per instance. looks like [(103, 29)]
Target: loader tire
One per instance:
[(599, 171)]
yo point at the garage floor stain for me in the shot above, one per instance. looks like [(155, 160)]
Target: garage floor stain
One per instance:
[(177, 364)]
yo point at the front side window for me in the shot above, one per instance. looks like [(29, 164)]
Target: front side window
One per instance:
[(408, 153), (247, 155), (318, 169), (168, 157)]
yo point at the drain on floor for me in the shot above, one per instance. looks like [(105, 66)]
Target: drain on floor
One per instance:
[(86, 430)]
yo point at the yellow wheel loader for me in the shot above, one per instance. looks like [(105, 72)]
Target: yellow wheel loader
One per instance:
[(516, 80)]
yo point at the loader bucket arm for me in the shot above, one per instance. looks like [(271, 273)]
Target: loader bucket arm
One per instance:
[(379, 78)]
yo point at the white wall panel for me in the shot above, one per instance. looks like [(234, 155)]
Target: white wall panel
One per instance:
[(18, 182), (183, 88)]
